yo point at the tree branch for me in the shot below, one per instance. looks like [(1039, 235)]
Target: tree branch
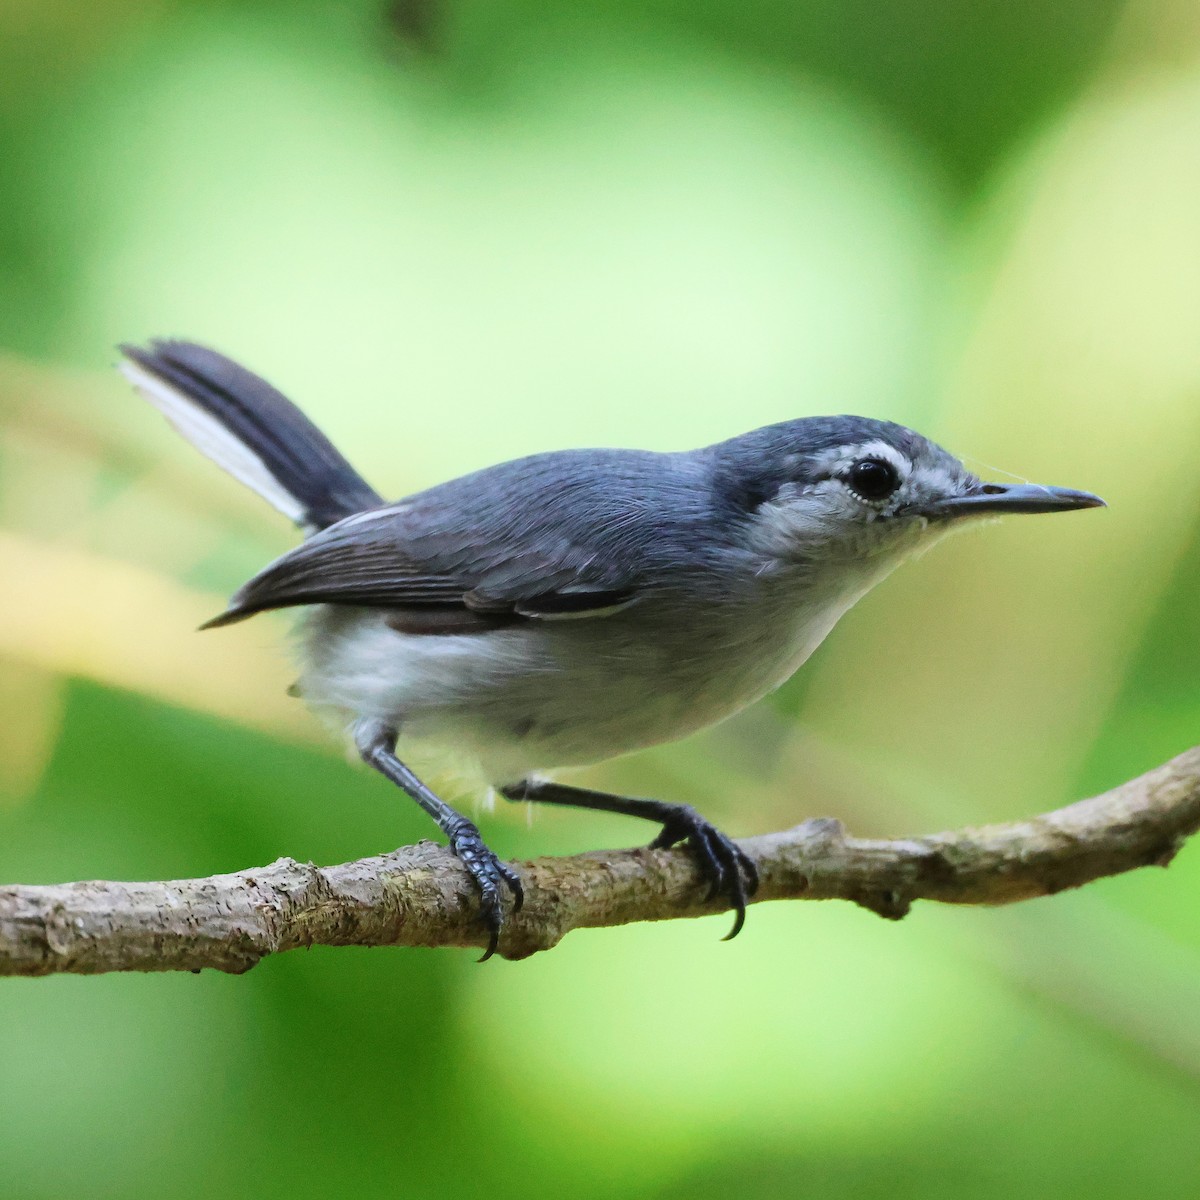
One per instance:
[(421, 896)]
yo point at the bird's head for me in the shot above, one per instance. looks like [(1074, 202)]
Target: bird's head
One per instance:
[(850, 489)]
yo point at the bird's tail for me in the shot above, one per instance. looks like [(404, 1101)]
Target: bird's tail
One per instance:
[(245, 426)]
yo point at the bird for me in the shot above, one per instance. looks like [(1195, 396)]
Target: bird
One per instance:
[(574, 605)]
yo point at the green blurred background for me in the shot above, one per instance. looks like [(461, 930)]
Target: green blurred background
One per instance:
[(462, 231)]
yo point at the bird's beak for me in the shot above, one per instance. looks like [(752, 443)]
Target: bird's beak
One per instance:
[(985, 498)]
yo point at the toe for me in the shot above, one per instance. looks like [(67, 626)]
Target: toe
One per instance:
[(489, 874), (514, 884), (739, 918), (729, 870), (493, 916)]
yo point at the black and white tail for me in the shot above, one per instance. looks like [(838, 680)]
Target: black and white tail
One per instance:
[(254, 432)]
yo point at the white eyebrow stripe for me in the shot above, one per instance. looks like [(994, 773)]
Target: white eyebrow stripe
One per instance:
[(878, 449), (840, 458), (942, 479)]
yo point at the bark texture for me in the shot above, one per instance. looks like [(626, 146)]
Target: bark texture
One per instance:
[(421, 896)]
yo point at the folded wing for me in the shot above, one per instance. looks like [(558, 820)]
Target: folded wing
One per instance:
[(504, 545)]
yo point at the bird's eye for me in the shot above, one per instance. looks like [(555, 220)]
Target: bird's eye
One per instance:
[(872, 479)]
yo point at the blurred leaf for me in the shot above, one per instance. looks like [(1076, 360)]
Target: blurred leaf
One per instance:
[(30, 717), (79, 614)]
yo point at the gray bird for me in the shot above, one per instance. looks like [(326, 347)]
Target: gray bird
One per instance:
[(571, 606)]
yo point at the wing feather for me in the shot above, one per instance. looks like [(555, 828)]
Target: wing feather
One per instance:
[(560, 536), (332, 569)]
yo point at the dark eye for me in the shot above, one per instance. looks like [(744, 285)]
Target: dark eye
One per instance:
[(872, 479)]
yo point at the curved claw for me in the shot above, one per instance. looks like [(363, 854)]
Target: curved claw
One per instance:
[(489, 873), (728, 869)]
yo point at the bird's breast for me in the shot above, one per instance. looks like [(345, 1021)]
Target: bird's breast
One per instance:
[(545, 694)]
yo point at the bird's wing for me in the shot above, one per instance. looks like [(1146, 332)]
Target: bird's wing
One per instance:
[(537, 548)]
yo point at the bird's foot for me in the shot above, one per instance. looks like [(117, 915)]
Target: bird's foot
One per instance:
[(729, 870), (489, 873)]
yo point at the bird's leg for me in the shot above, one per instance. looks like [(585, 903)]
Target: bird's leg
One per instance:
[(729, 870), (376, 742)]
